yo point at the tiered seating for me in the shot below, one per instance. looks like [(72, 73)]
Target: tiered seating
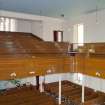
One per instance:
[(73, 93), (22, 53), (93, 49), (26, 55), (25, 96), (28, 44), (91, 59), (30, 49)]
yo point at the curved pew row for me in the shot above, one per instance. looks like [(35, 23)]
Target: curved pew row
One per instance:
[(33, 65), (91, 59), (25, 45), (24, 54), (72, 93), (26, 67), (28, 44), (25, 96)]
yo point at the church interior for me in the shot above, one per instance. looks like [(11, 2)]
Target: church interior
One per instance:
[(52, 52)]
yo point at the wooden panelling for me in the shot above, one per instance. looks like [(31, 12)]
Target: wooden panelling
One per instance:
[(95, 67), (67, 64), (21, 67), (80, 63), (34, 66), (26, 55)]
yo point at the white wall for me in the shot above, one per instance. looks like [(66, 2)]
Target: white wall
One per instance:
[(93, 32), (30, 26), (68, 33), (48, 79), (48, 28), (39, 25), (89, 81), (43, 29), (8, 84), (23, 25), (37, 28)]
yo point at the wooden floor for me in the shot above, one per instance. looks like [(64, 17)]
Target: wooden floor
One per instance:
[(72, 92), (25, 96)]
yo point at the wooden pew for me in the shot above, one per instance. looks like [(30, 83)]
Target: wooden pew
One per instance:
[(25, 96), (74, 93)]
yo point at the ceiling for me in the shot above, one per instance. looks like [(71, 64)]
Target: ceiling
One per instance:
[(53, 8)]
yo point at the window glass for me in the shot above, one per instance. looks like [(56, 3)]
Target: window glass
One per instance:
[(78, 34), (7, 24)]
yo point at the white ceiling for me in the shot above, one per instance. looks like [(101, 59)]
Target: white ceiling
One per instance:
[(53, 8)]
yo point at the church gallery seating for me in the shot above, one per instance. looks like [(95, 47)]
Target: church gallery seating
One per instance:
[(24, 55)]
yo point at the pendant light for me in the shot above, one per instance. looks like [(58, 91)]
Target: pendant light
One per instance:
[(62, 24), (97, 21)]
